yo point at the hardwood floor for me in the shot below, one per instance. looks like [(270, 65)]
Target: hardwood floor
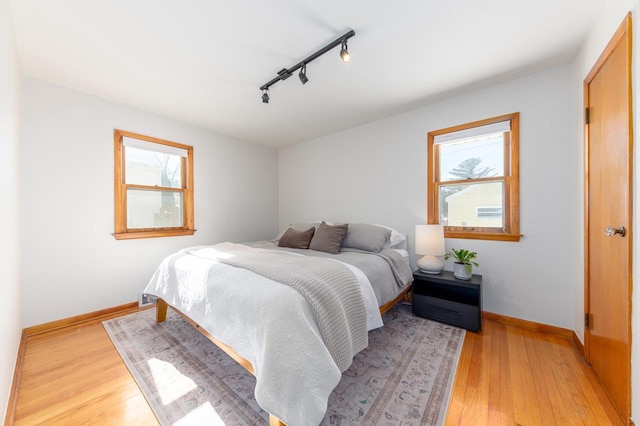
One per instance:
[(506, 376), (75, 376)]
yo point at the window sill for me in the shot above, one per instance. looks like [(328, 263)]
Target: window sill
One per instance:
[(153, 234), (493, 236)]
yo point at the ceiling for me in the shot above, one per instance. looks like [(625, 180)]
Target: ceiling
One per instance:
[(202, 61)]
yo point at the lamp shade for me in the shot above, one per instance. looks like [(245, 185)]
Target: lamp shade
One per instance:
[(430, 240)]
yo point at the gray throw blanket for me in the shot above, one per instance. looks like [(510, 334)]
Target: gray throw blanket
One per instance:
[(400, 268), (330, 288)]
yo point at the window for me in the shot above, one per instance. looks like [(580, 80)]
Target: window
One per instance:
[(153, 187), (473, 179)]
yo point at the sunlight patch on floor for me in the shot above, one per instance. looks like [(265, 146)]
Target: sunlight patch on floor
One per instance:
[(170, 382), (201, 415)]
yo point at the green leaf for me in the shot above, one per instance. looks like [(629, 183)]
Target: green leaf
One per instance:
[(462, 256)]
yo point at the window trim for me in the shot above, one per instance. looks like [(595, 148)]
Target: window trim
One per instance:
[(120, 191), (511, 180)]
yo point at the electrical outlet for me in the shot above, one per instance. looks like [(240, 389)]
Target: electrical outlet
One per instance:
[(145, 299)]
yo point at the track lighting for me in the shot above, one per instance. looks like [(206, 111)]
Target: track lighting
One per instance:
[(285, 73), (303, 74), (344, 53)]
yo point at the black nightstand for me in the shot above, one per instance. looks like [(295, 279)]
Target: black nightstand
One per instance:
[(443, 298)]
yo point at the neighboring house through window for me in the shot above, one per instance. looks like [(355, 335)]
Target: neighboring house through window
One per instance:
[(153, 187), (473, 179)]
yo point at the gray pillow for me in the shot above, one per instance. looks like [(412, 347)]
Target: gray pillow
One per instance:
[(328, 238), (296, 239), (363, 236)]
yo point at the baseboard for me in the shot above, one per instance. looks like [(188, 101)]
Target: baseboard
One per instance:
[(529, 325), (12, 405), (578, 343), (84, 318)]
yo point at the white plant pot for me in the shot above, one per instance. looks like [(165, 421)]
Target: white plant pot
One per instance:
[(460, 271)]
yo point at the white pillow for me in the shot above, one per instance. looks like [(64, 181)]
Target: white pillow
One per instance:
[(397, 240)]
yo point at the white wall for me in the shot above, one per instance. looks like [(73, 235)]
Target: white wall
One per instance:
[(603, 29), (10, 329), (377, 173), (70, 262)]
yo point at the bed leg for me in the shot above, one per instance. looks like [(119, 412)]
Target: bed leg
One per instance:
[(274, 421), (161, 310)]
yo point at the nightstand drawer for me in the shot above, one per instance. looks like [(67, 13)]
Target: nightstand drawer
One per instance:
[(449, 312)]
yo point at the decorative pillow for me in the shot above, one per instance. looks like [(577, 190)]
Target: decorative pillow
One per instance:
[(296, 239), (363, 236), (299, 227), (328, 238)]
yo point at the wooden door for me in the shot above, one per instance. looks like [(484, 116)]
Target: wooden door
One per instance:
[(608, 149)]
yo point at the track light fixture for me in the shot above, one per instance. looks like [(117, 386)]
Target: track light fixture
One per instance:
[(285, 73), (303, 74), (344, 53)]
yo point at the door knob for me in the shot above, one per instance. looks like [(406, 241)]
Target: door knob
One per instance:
[(612, 231)]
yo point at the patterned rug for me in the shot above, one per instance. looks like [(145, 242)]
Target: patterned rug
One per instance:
[(403, 377)]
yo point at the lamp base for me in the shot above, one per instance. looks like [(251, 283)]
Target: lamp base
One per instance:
[(430, 265)]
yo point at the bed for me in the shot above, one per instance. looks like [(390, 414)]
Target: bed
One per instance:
[(294, 310)]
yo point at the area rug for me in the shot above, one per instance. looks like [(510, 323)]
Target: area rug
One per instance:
[(403, 377)]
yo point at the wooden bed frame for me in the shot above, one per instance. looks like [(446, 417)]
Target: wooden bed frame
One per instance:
[(161, 315)]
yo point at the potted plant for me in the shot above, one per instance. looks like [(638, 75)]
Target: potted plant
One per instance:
[(463, 261)]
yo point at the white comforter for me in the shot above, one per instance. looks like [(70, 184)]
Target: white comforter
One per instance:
[(265, 322)]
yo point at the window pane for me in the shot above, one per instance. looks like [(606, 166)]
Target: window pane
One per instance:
[(153, 168), (471, 205), (472, 158), (154, 209)]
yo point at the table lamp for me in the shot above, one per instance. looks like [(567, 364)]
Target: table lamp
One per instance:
[(430, 244)]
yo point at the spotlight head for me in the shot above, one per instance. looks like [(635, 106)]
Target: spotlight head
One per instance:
[(303, 75), (265, 97), (344, 53)]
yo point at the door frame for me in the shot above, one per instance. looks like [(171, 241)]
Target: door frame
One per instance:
[(624, 30)]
